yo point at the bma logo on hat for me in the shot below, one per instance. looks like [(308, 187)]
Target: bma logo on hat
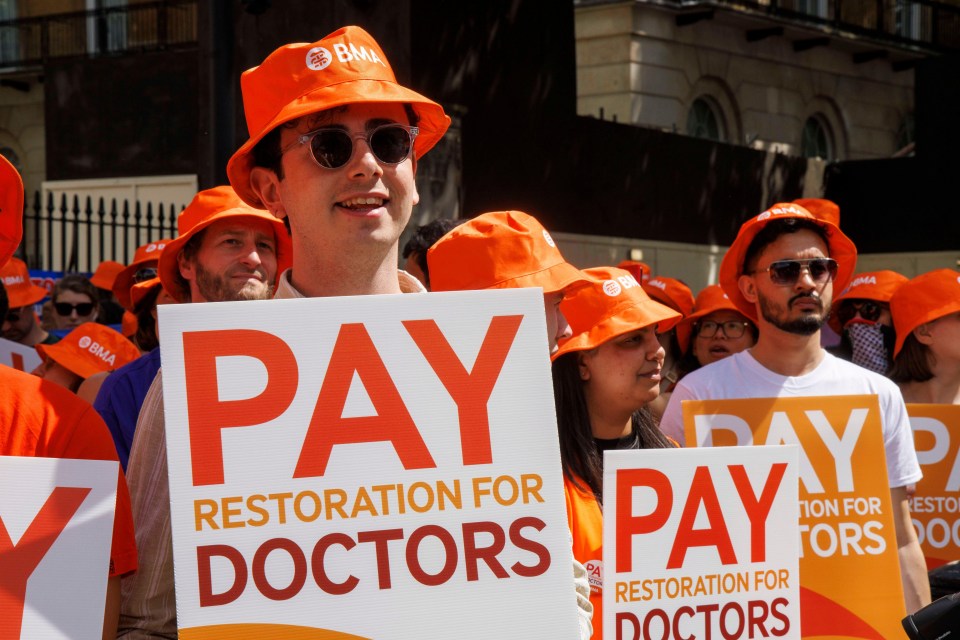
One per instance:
[(85, 342), (318, 58), (862, 280), (612, 288), (546, 236), (12, 280)]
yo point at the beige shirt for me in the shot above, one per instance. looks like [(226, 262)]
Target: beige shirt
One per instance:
[(148, 608)]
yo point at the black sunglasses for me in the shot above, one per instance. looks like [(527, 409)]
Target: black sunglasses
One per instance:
[(333, 147), (787, 272), (144, 274), (868, 310), (65, 308)]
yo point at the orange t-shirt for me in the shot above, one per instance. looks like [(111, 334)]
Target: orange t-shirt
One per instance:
[(41, 419), (586, 524)]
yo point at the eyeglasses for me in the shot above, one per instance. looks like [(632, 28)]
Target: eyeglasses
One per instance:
[(333, 147), (730, 328), (65, 308), (142, 275), (787, 272), (868, 310)]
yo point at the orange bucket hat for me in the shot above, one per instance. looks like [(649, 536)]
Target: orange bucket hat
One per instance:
[(90, 348), (128, 324), (671, 292), (869, 285), (840, 247), (639, 270), (11, 210), (146, 256), (611, 306), (826, 210), (20, 289), (923, 299), (140, 290), (500, 250), (208, 207), (106, 274), (345, 67), (711, 298)]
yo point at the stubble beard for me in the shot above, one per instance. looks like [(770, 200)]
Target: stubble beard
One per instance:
[(805, 325), (216, 288)]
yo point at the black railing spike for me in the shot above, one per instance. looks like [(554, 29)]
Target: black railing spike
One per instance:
[(113, 230), (126, 231), (137, 217), (101, 214), (63, 230), (49, 225), (88, 213)]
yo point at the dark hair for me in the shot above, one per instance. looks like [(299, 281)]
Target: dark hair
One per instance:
[(772, 231), (146, 337), (912, 364), (78, 284), (266, 153), (189, 253), (579, 454), (4, 302), (424, 237)]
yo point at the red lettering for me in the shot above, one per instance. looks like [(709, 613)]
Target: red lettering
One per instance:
[(634, 621), (683, 611), (629, 525), (526, 544), (449, 550), (354, 352), (207, 597), (299, 569), (702, 492), (469, 390), (319, 571), (775, 611), (757, 510), (738, 612), (208, 415), (472, 553), (664, 622), (757, 611), (380, 540), (21, 560)]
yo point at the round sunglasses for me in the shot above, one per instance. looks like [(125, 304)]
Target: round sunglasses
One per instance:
[(332, 147), (787, 272)]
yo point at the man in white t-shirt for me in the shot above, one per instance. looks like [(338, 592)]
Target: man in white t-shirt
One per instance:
[(781, 272)]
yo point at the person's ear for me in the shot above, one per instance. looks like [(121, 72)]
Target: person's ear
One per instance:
[(266, 184), (923, 334), (748, 288), (187, 268), (582, 366), (415, 196)]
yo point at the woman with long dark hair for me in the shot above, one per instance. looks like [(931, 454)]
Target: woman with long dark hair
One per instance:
[(603, 377)]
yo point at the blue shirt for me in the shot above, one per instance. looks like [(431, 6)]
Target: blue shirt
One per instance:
[(121, 396)]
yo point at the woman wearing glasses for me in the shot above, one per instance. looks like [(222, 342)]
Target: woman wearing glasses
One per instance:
[(717, 330), (75, 301), (603, 377), (926, 314)]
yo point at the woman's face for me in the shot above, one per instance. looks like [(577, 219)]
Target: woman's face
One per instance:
[(622, 374), (67, 310), (944, 338), (714, 340)]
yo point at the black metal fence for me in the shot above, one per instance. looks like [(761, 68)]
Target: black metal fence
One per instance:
[(145, 26), (78, 234)]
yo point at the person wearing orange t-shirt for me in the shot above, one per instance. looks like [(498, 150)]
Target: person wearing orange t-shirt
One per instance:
[(41, 419)]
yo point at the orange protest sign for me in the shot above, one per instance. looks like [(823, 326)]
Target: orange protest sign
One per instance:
[(936, 504), (849, 570)]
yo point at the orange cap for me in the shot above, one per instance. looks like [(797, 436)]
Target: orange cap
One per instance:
[(208, 207), (639, 270), (128, 324), (90, 348), (826, 210), (11, 210), (106, 274), (671, 292), (20, 289), (710, 299), (923, 299), (145, 257), (839, 246), (140, 290), (500, 250), (611, 306), (345, 67), (869, 285)]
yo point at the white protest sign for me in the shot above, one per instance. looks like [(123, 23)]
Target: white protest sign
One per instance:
[(366, 467), (56, 525), (18, 356), (701, 543)]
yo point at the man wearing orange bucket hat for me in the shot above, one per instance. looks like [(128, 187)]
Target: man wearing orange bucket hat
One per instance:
[(89, 349), (333, 149), (42, 419), (781, 272), (20, 323)]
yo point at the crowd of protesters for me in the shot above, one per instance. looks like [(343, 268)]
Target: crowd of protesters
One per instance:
[(318, 199)]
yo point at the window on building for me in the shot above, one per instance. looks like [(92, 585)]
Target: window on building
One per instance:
[(817, 141), (705, 120)]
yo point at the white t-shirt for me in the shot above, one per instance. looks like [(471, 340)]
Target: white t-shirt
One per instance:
[(741, 376)]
